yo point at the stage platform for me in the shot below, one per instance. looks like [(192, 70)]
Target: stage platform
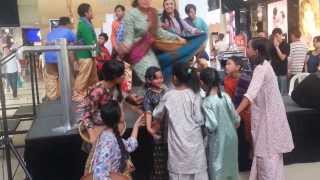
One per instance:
[(55, 155)]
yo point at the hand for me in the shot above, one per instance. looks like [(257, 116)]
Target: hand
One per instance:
[(276, 43), (140, 121), (135, 99)]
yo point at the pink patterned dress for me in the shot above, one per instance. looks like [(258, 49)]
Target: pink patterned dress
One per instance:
[(270, 128)]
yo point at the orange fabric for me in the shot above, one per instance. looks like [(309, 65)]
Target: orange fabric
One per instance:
[(115, 26), (230, 85)]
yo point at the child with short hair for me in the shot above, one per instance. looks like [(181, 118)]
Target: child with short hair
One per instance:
[(181, 107), (236, 84), (155, 89), (221, 121)]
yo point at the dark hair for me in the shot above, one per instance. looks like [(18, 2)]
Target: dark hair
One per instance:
[(296, 33), (165, 16), (237, 60), (210, 77), (119, 6), (110, 115), (276, 31), (135, 3), (83, 9), (189, 7), (186, 75), (261, 45), (111, 70), (220, 36), (151, 75), (104, 35), (63, 21), (316, 39)]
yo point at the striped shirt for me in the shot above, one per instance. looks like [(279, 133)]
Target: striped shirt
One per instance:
[(297, 57)]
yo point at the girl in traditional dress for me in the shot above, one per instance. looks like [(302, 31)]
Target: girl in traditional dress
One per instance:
[(270, 128), (111, 152), (155, 89), (181, 108), (221, 121)]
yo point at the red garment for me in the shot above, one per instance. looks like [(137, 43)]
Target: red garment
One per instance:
[(230, 86), (102, 57)]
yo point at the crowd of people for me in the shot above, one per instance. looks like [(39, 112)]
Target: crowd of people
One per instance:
[(188, 120)]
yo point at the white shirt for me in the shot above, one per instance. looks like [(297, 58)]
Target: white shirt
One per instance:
[(12, 66), (221, 46)]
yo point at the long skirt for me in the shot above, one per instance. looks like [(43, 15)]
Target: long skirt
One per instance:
[(267, 168), (160, 158)]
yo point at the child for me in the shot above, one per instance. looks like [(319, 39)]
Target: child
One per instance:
[(220, 121), (270, 128), (182, 109), (312, 63), (103, 55), (236, 84), (154, 91), (111, 152)]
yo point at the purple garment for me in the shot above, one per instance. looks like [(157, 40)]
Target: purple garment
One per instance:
[(242, 87)]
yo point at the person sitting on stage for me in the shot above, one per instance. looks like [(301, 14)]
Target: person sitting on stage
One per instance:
[(111, 152), (271, 133), (193, 20), (141, 29), (172, 22), (87, 69), (52, 83)]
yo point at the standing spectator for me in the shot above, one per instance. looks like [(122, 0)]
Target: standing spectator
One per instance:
[(11, 70), (103, 55), (312, 63), (270, 129), (279, 53), (87, 69), (298, 52), (117, 26), (52, 58)]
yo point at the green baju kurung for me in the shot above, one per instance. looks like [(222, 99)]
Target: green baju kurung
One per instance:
[(136, 25), (220, 121)]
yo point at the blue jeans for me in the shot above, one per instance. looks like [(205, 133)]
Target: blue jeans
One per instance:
[(283, 84), (13, 82)]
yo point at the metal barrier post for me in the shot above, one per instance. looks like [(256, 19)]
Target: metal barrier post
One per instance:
[(65, 82)]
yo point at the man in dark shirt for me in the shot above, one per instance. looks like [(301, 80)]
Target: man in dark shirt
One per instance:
[(279, 53)]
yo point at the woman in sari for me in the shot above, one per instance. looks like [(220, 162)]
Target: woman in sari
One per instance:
[(141, 29)]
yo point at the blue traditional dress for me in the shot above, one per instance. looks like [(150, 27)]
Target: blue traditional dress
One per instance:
[(220, 121)]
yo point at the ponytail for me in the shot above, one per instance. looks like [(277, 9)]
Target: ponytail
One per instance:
[(193, 82), (211, 79), (123, 150)]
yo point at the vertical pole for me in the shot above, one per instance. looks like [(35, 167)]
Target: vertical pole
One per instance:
[(32, 83), (36, 77), (5, 129), (65, 82)]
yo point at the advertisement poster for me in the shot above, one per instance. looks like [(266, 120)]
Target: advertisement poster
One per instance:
[(278, 16), (309, 20)]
